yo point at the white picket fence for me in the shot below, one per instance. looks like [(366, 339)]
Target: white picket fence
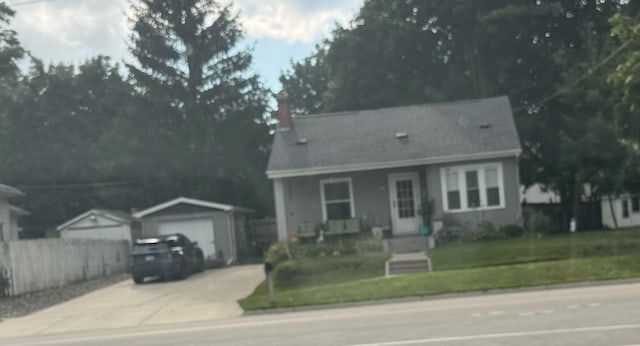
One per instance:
[(33, 265)]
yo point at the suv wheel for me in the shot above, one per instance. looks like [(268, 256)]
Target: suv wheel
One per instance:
[(138, 279)]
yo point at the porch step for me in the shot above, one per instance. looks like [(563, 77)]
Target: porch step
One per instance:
[(408, 263), (408, 244)]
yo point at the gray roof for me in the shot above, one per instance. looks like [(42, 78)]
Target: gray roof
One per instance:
[(107, 213), (454, 131), (117, 213)]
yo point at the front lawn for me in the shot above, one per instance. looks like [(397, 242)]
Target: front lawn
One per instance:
[(527, 250), (452, 281), (311, 272), (555, 259)]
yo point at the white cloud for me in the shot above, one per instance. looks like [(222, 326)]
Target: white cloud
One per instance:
[(294, 20), (75, 30), (72, 31)]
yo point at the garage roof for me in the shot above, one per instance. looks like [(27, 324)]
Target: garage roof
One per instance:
[(114, 215), (191, 201)]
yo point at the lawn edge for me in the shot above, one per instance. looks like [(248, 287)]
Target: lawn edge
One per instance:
[(440, 296)]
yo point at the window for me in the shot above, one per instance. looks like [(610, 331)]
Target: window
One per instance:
[(453, 191), (473, 191), (635, 204), (625, 209), (406, 203), (337, 199), (492, 186), (473, 187)]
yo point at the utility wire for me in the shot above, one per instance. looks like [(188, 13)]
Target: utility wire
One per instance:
[(28, 2), (572, 85)]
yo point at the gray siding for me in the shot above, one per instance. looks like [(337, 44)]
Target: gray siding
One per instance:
[(221, 226), (507, 215), (303, 204)]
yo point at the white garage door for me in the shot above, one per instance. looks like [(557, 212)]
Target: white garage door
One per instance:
[(196, 230)]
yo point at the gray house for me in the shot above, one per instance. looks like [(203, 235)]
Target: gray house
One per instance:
[(375, 168), (219, 229)]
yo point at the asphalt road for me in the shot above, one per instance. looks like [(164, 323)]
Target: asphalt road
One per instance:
[(597, 315)]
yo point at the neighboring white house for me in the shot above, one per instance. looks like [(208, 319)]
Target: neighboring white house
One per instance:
[(626, 209), (9, 214), (538, 194), (98, 224)]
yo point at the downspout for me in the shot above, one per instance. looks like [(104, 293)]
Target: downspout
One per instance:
[(233, 235), (520, 221), (232, 255)]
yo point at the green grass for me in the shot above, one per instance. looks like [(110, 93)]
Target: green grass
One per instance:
[(452, 281), (331, 270), (556, 259), (555, 247)]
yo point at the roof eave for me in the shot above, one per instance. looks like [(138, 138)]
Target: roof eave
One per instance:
[(176, 201), (104, 214), (275, 174)]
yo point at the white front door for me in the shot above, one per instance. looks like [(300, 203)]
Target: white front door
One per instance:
[(404, 192), (199, 230)]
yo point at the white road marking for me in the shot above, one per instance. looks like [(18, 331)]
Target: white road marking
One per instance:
[(592, 305), (526, 314), (505, 335), (477, 314), (573, 306), (548, 311), (496, 313)]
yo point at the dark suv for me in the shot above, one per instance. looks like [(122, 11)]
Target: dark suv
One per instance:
[(168, 257)]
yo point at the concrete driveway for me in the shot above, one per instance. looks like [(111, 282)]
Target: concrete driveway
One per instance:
[(211, 295)]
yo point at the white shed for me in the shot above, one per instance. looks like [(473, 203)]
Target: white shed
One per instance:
[(626, 209), (98, 224)]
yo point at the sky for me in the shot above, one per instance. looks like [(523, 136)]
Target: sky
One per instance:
[(279, 31)]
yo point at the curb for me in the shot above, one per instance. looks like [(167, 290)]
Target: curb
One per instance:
[(439, 296)]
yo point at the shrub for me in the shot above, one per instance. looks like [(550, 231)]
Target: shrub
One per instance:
[(449, 234), (512, 230), (538, 223), (483, 231), (278, 252), (286, 271)]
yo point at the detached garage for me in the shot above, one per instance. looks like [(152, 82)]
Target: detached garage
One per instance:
[(218, 228), (98, 224)]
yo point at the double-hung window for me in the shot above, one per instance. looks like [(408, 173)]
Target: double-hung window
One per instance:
[(635, 204), (625, 209), (472, 187), (337, 199)]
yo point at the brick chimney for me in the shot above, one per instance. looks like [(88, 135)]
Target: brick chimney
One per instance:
[(284, 111)]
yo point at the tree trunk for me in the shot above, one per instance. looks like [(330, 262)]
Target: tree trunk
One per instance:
[(613, 213)]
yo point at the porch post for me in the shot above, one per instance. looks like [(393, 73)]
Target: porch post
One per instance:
[(281, 214)]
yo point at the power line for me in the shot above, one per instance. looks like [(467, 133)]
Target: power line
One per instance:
[(28, 2), (65, 186), (571, 85)]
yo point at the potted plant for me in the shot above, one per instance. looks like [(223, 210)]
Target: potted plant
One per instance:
[(426, 210)]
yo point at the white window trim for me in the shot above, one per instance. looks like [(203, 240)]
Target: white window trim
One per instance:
[(323, 182), (462, 186)]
